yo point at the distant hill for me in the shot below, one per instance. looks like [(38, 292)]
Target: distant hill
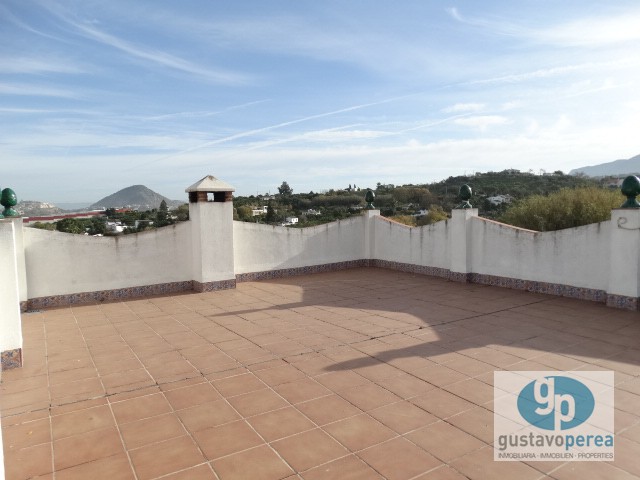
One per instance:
[(617, 167), (137, 197), (29, 208)]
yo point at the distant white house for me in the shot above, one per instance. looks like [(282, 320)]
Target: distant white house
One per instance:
[(115, 227), (258, 211), (499, 199), (291, 220), (311, 211)]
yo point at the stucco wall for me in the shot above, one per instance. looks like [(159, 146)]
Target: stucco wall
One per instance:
[(576, 256), (10, 326), (63, 263), (259, 248), (424, 246)]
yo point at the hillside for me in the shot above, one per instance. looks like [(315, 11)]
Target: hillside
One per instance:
[(617, 167), (29, 208), (137, 197)]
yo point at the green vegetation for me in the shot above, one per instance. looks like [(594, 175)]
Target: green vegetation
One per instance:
[(134, 221), (563, 209), (407, 203)]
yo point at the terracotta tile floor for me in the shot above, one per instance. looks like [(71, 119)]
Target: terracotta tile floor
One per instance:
[(360, 374)]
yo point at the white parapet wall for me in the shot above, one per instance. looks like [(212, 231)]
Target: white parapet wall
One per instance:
[(10, 322), (427, 246), (63, 263), (577, 257), (261, 248)]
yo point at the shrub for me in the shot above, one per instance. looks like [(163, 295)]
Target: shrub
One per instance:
[(436, 214), (404, 219), (565, 208)]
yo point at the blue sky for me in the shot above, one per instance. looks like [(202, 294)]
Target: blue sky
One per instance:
[(99, 95)]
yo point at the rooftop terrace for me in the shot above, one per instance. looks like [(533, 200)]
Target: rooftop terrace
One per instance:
[(357, 374)]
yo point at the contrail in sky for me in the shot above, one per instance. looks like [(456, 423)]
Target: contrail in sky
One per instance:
[(272, 127)]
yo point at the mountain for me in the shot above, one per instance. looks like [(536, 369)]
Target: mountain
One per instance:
[(617, 167), (137, 197)]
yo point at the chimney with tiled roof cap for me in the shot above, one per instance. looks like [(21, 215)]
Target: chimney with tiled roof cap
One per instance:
[(211, 218)]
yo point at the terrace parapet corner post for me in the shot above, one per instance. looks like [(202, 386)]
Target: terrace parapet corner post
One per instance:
[(465, 195), (630, 188)]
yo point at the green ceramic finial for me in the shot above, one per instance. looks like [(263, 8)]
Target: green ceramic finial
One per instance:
[(8, 200), (465, 196), (369, 197), (631, 188)]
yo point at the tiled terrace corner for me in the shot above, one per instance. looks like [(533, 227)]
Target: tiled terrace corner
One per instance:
[(359, 374)]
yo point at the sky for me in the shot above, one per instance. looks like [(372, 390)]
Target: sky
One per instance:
[(96, 96)]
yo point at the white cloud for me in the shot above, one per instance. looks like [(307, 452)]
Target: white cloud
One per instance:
[(464, 107), (36, 90), (594, 31), (482, 122), (38, 65)]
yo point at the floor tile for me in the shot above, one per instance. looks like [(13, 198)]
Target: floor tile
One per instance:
[(192, 395), (328, 409), (445, 441), (226, 439), (26, 434), (115, 467), (301, 390), (151, 430), (402, 417), (140, 407), (165, 457), (238, 384), (280, 423), (206, 415), (86, 447), (368, 396), (479, 465), (347, 468), (28, 462), (257, 402), (309, 449), (81, 421), (399, 459), (260, 463), (359, 432)]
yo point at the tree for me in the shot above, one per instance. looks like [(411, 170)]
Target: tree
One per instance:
[(70, 225), (97, 226), (162, 215), (566, 208), (182, 212), (270, 217), (244, 213), (285, 190), (44, 226), (436, 214)]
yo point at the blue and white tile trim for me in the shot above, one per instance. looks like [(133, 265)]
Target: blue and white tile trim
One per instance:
[(616, 301), (11, 359)]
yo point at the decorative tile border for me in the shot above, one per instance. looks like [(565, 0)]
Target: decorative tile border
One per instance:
[(109, 295), (617, 301), (309, 270), (591, 294), (213, 286), (11, 359), (623, 302)]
